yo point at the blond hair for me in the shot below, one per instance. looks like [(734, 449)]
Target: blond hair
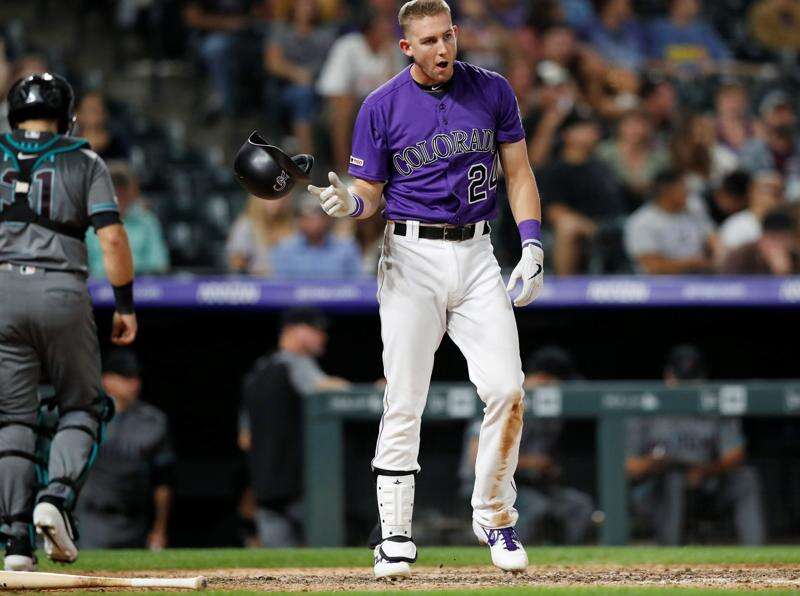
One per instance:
[(270, 227), (417, 9)]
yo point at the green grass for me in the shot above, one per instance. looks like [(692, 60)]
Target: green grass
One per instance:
[(121, 560)]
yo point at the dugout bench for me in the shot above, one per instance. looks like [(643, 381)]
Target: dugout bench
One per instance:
[(608, 403)]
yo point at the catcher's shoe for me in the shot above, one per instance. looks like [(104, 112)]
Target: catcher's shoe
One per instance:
[(507, 551), (393, 557), (55, 524), (19, 554)]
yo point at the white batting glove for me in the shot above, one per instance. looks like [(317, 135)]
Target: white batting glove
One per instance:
[(335, 199), (530, 271)]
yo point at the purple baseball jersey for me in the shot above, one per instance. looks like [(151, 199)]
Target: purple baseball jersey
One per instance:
[(437, 155)]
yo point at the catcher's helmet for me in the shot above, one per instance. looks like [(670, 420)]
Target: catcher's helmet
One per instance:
[(266, 171), (44, 96)]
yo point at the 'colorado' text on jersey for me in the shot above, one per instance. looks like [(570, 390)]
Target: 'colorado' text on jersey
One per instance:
[(436, 154)]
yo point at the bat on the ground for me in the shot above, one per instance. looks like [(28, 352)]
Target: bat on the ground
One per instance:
[(35, 580)]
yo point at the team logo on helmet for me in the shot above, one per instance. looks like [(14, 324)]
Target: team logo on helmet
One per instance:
[(280, 183)]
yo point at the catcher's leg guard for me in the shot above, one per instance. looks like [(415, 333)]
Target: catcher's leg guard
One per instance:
[(72, 451), (20, 469)]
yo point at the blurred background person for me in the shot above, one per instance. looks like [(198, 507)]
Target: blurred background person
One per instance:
[(271, 423), (314, 252), (617, 34), (259, 228), (731, 196), (295, 52), (580, 193), (218, 29), (634, 156), (358, 63), (776, 147), (774, 252), (683, 40), (674, 461), (665, 237), (148, 246), (127, 499), (93, 125), (765, 194), (735, 126)]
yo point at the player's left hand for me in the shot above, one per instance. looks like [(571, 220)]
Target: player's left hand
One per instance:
[(530, 271)]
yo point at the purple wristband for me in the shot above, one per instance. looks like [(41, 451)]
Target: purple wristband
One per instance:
[(530, 232), (359, 206)]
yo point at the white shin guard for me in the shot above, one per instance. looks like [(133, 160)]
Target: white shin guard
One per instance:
[(395, 504)]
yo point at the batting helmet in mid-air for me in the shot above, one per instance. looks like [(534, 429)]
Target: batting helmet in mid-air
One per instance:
[(42, 96), (266, 171)]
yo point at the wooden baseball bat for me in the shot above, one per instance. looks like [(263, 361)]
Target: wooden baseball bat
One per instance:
[(35, 580)]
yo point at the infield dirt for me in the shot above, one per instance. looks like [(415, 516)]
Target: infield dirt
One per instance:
[(785, 577)]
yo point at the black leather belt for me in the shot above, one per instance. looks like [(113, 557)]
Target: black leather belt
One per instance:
[(451, 233)]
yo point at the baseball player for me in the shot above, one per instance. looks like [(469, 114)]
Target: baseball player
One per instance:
[(430, 141), (52, 188)]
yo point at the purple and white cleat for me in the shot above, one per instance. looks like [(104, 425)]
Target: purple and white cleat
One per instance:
[(507, 551)]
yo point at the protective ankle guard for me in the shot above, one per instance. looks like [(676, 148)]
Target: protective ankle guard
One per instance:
[(395, 504)]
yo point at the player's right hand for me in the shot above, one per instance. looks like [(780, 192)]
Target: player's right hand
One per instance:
[(335, 199), (123, 329)]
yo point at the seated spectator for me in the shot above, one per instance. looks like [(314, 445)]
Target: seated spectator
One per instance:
[(617, 35), (731, 196), (146, 238), (634, 157), (271, 423), (357, 64), (127, 498), (660, 103), (580, 194), (779, 147), (314, 252), (218, 26), (734, 122), (664, 236), (696, 150), (254, 234), (556, 98), (295, 53), (765, 195), (683, 40), (678, 460), (559, 44), (776, 251), (92, 125)]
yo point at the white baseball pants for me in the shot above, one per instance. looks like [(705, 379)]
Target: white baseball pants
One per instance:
[(427, 288)]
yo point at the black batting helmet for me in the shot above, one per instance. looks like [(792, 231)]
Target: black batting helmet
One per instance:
[(44, 96), (266, 171)]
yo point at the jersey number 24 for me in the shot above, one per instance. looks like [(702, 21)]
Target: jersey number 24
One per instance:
[(478, 189)]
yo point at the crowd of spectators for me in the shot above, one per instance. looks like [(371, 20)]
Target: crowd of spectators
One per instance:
[(663, 133)]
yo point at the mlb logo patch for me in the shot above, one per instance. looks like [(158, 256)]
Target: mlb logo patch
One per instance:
[(355, 161)]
